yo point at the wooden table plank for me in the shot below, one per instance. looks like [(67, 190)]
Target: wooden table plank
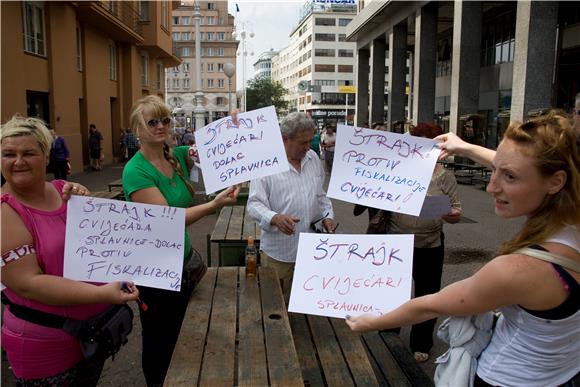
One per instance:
[(309, 364), (283, 365), (249, 227), (221, 226), (116, 183), (387, 365), (354, 353), (219, 360), (236, 223), (406, 361), (192, 337), (334, 367), (251, 354)]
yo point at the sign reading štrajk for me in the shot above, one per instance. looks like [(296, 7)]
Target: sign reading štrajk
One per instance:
[(111, 240), (340, 274), (230, 154), (383, 170)]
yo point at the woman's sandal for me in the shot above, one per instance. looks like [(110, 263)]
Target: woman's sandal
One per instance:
[(421, 357)]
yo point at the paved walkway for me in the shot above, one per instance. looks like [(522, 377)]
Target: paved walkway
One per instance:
[(468, 246)]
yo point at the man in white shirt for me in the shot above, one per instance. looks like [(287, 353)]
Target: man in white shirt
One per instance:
[(287, 203)]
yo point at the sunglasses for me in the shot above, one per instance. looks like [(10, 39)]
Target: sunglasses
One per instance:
[(154, 122)]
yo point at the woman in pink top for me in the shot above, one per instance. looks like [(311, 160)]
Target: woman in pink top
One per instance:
[(33, 239)]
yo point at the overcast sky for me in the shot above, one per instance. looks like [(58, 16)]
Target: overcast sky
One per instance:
[(271, 21)]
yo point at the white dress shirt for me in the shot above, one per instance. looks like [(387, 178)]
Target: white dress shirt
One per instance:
[(300, 194)]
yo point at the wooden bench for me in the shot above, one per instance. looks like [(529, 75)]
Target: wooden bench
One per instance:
[(331, 354), (114, 195), (231, 232), (235, 333), (116, 184)]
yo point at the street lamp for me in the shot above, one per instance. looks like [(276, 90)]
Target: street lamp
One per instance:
[(229, 70), (244, 36), (198, 110)]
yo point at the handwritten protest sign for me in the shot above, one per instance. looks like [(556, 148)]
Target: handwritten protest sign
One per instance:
[(383, 170), (110, 240), (340, 274), (231, 154)]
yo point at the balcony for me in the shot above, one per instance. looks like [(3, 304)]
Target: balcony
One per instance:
[(119, 18)]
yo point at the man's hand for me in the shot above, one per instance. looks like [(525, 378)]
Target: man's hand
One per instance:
[(453, 217), (329, 225), (285, 223)]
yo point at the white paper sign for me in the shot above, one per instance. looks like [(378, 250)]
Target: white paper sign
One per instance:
[(383, 170), (434, 207), (111, 240), (340, 274), (231, 154)]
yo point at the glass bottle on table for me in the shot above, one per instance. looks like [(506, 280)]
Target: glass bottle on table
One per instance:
[(251, 258)]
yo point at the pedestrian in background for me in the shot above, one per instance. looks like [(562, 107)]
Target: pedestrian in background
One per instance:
[(328, 141), (188, 137), (535, 340), (131, 143), (157, 174), (315, 144), (285, 204), (95, 148), (59, 163), (33, 242)]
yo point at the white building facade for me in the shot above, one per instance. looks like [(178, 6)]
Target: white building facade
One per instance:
[(263, 66), (318, 67)]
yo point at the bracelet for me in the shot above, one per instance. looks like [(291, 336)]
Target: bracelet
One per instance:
[(17, 253)]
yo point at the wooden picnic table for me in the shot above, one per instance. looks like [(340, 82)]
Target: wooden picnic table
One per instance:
[(235, 333), (231, 232), (115, 194), (116, 184)]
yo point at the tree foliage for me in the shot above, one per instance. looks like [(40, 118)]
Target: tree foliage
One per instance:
[(262, 92)]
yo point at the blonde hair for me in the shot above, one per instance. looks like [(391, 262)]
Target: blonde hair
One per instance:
[(23, 126), (551, 140), (158, 108)]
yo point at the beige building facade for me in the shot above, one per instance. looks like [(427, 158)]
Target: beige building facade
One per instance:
[(77, 63), (218, 47)]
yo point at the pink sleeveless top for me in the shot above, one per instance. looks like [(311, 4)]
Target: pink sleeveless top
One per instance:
[(35, 351)]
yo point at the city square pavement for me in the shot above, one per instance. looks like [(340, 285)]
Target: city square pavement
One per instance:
[(468, 244)]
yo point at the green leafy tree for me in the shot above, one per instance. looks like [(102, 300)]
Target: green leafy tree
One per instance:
[(262, 92)]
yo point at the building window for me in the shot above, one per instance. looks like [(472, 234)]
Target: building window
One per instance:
[(220, 67), (345, 53), (187, 83), (322, 21), (185, 51), (324, 52), (185, 36), (342, 37), (209, 51), (210, 83), (221, 36), (344, 22), (164, 15), (185, 20), (210, 20), (144, 10), (112, 61), (79, 49), (175, 20), (144, 68), (324, 37), (324, 82), (219, 101), (186, 67), (175, 84), (345, 68), (175, 36), (158, 73), (220, 51), (175, 69), (210, 68), (221, 84), (33, 24), (211, 6), (324, 68), (210, 36)]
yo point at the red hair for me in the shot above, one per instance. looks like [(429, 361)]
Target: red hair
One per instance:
[(424, 129)]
